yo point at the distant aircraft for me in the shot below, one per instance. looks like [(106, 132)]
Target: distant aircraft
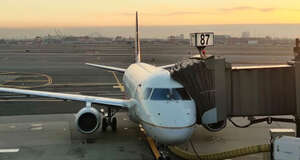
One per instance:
[(156, 101)]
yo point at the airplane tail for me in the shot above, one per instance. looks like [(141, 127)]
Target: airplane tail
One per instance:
[(137, 41)]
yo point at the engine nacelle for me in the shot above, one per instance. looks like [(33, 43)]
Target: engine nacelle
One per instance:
[(215, 127), (88, 120)]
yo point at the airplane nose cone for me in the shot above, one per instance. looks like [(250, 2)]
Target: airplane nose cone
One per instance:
[(169, 136)]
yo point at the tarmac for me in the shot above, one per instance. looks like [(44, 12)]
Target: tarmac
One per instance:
[(54, 136)]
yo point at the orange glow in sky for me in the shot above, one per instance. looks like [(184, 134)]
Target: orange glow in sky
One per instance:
[(64, 13)]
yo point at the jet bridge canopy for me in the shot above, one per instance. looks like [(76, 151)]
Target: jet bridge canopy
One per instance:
[(206, 82), (222, 91)]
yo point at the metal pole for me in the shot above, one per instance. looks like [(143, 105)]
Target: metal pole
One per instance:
[(297, 80)]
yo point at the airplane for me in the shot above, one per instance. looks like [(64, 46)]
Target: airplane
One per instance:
[(160, 104)]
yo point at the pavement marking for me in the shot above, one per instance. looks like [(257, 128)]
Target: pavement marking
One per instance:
[(48, 80), (36, 125), (151, 143), (26, 81), (118, 81), (12, 150), (36, 128), (12, 126), (84, 84)]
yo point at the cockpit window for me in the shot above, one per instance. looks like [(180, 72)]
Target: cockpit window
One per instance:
[(161, 94), (170, 94), (180, 94), (147, 93)]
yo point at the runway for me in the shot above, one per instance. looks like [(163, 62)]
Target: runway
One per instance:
[(55, 136)]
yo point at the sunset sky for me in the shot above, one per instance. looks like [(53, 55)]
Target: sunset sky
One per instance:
[(72, 13)]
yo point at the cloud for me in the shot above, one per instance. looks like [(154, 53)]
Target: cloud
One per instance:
[(245, 8), (170, 13), (213, 12), (182, 13)]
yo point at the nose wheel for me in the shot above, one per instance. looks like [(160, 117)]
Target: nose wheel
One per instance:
[(164, 153), (109, 120)]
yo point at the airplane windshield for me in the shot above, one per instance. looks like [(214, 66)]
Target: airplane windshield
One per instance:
[(161, 94), (180, 94), (147, 93), (170, 94)]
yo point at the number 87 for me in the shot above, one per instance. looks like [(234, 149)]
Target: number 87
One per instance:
[(202, 39)]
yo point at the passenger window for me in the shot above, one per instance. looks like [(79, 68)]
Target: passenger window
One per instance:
[(161, 94), (147, 93)]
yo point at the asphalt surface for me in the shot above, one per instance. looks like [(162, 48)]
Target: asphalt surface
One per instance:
[(55, 136)]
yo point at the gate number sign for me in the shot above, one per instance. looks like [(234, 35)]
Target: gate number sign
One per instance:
[(202, 39)]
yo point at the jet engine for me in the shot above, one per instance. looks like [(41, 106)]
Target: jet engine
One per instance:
[(88, 119), (215, 127)]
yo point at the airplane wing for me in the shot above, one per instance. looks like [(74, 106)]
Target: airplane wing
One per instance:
[(123, 103), (110, 68)]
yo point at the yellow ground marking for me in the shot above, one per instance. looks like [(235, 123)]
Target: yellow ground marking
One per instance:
[(153, 147), (49, 80), (118, 81), (151, 143), (25, 76), (27, 81), (84, 84)]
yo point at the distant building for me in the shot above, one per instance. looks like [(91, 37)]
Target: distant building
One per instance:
[(173, 38), (252, 42), (245, 34), (221, 39), (37, 40)]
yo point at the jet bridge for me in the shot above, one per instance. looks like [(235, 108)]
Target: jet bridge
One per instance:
[(222, 91)]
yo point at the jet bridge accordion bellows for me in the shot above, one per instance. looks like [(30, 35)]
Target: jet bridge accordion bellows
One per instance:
[(198, 80)]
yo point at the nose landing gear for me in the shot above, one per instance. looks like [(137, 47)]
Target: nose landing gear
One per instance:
[(164, 153)]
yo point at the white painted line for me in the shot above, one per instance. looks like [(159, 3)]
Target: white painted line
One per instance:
[(13, 150), (36, 128), (12, 126)]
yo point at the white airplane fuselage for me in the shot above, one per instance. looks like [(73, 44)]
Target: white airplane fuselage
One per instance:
[(165, 115)]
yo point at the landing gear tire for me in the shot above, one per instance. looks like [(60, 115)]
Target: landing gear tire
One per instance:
[(114, 124), (104, 124)]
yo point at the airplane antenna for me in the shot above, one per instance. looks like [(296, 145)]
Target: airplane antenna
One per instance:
[(137, 41)]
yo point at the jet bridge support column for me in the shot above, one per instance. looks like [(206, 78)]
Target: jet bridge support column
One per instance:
[(297, 80)]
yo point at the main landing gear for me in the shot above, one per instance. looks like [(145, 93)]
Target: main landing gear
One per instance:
[(109, 120)]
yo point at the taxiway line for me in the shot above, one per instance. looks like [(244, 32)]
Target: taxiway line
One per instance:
[(85, 84), (27, 81), (12, 150), (153, 147), (118, 82)]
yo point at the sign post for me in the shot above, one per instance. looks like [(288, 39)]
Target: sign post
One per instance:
[(201, 40)]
